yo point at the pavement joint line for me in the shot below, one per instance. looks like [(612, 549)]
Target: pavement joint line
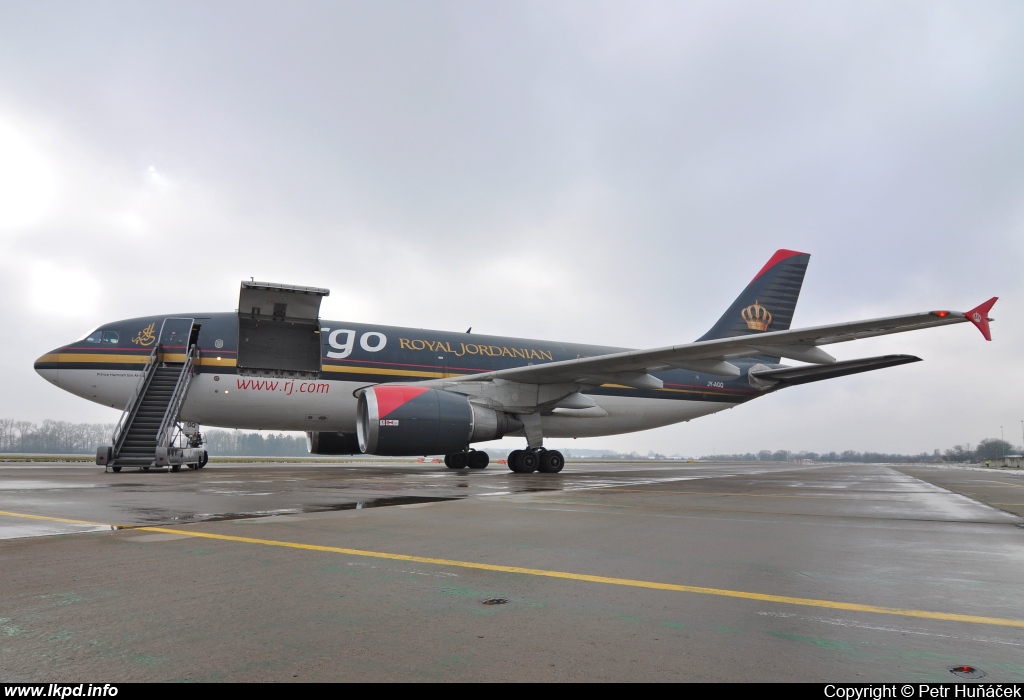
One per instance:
[(610, 508), (857, 496), (547, 573)]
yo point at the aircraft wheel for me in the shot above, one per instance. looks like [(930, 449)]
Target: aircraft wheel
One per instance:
[(458, 460), (478, 459), (175, 467), (116, 469), (525, 462), (528, 462), (510, 461), (203, 460), (551, 462)]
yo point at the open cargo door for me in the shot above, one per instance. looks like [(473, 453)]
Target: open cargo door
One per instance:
[(279, 329)]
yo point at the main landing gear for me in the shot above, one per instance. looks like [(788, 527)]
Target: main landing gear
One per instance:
[(474, 459), (536, 459)]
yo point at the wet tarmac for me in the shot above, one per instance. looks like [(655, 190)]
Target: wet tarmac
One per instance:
[(652, 571)]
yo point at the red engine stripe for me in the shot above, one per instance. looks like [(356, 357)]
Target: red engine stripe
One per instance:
[(391, 397)]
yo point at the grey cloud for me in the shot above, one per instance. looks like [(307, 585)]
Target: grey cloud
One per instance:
[(638, 161)]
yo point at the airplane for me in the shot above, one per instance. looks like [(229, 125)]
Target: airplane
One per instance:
[(357, 388)]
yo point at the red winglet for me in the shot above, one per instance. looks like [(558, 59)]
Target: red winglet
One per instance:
[(979, 317)]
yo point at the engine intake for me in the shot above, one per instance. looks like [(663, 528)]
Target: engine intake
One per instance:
[(396, 420)]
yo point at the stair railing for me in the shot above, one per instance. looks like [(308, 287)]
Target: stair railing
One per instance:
[(165, 435), (121, 429)]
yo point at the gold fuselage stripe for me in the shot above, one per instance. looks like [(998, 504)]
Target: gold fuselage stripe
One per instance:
[(344, 369)]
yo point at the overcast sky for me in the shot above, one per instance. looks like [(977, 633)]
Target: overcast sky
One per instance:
[(609, 173)]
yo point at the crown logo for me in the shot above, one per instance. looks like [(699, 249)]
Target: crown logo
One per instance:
[(757, 317)]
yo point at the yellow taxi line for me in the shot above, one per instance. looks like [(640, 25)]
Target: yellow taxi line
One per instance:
[(547, 573)]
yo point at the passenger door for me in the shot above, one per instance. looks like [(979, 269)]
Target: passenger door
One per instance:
[(175, 336)]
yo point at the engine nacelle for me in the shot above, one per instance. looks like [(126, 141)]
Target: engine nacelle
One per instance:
[(396, 420), (324, 443)]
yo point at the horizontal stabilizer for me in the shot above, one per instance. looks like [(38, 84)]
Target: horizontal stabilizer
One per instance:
[(791, 376)]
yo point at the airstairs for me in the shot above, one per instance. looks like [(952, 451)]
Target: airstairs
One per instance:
[(149, 434)]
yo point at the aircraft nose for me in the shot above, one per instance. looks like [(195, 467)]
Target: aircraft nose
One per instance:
[(47, 366)]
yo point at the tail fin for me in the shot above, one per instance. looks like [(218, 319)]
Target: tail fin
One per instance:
[(769, 300)]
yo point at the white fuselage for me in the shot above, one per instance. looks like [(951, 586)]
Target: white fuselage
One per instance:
[(257, 403)]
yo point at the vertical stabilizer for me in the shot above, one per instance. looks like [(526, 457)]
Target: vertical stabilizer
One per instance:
[(768, 302)]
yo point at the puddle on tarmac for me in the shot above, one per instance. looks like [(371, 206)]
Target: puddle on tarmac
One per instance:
[(152, 516), (9, 531), (33, 485)]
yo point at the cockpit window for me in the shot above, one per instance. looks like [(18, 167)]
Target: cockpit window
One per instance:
[(109, 337), (94, 337)]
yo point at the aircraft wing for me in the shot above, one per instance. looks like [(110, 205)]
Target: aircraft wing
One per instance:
[(634, 367)]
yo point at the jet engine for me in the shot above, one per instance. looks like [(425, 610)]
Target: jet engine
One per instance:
[(395, 420), (325, 443)]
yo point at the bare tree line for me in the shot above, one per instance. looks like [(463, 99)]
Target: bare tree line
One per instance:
[(53, 436), (62, 437), (989, 448), (237, 443)]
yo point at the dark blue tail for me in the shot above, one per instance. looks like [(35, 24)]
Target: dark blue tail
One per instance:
[(768, 302)]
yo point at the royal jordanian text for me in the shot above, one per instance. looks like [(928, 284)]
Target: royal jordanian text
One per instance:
[(460, 349), (923, 690), (61, 690)]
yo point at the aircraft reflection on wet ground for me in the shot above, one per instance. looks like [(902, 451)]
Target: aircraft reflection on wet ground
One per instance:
[(234, 491)]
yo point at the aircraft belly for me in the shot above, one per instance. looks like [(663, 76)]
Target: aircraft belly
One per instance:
[(257, 403), (629, 414)]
